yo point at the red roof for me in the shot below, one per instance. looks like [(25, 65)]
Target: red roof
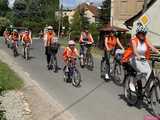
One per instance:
[(85, 6)]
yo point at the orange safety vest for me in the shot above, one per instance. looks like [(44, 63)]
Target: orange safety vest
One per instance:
[(15, 36), (84, 35), (129, 51), (69, 53), (26, 38), (50, 38), (111, 42)]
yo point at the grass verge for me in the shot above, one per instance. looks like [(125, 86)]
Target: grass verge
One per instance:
[(9, 79)]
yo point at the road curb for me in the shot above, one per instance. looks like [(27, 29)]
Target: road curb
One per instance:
[(42, 105)]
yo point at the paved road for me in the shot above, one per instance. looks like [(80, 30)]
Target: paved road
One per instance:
[(94, 100)]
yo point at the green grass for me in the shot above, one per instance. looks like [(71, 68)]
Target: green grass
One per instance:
[(9, 79)]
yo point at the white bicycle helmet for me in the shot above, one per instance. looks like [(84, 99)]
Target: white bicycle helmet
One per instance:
[(15, 30), (50, 28), (71, 42), (141, 29)]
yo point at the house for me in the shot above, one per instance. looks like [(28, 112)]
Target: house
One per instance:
[(122, 10), (149, 18), (129, 22), (90, 11)]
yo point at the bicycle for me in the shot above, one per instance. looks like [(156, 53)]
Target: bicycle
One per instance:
[(118, 73), (86, 58), (71, 73), (27, 51), (149, 90), (15, 49)]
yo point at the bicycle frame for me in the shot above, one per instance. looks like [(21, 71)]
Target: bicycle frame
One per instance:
[(150, 83), (71, 67)]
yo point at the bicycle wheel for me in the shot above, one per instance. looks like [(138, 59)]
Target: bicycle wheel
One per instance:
[(15, 53), (131, 97), (103, 68), (55, 68), (90, 62), (26, 53), (82, 62), (76, 79), (155, 100), (118, 74)]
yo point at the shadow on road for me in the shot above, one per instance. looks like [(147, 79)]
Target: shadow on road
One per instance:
[(140, 105)]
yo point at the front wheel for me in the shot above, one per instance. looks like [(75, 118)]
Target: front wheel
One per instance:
[(155, 100), (131, 97), (15, 52), (90, 62), (118, 74), (76, 79), (55, 66)]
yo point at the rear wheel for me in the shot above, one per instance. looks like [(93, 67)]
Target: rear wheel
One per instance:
[(103, 69), (90, 62), (118, 74), (155, 99), (76, 79), (131, 97)]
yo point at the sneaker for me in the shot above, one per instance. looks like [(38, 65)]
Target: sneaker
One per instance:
[(106, 76), (131, 86)]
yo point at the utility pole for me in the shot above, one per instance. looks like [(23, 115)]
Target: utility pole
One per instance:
[(60, 18)]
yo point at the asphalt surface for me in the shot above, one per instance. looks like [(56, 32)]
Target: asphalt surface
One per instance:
[(94, 100)]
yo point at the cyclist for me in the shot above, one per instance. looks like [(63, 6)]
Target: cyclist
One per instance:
[(70, 52), (14, 37), (26, 40), (49, 39), (6, 36), (111, 42), (85, 37), (139, 49)]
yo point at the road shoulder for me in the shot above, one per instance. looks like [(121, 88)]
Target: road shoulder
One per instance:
[(43, 106)]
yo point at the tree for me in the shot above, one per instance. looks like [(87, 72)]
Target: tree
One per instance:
[(4, 22), (76, 25), (105, 12), (84, 19), (4, 7), (34, 14), (66, 23)]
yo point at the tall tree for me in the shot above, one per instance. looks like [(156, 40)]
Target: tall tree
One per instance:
[(105, 12), (35, 13), (4, 7)]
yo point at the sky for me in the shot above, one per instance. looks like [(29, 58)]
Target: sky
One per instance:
[(66, 3), (73, 3)]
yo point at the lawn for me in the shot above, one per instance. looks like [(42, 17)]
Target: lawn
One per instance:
[(9, 79)]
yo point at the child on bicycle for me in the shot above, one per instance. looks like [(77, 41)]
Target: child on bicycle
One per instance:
[(70, 53)]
